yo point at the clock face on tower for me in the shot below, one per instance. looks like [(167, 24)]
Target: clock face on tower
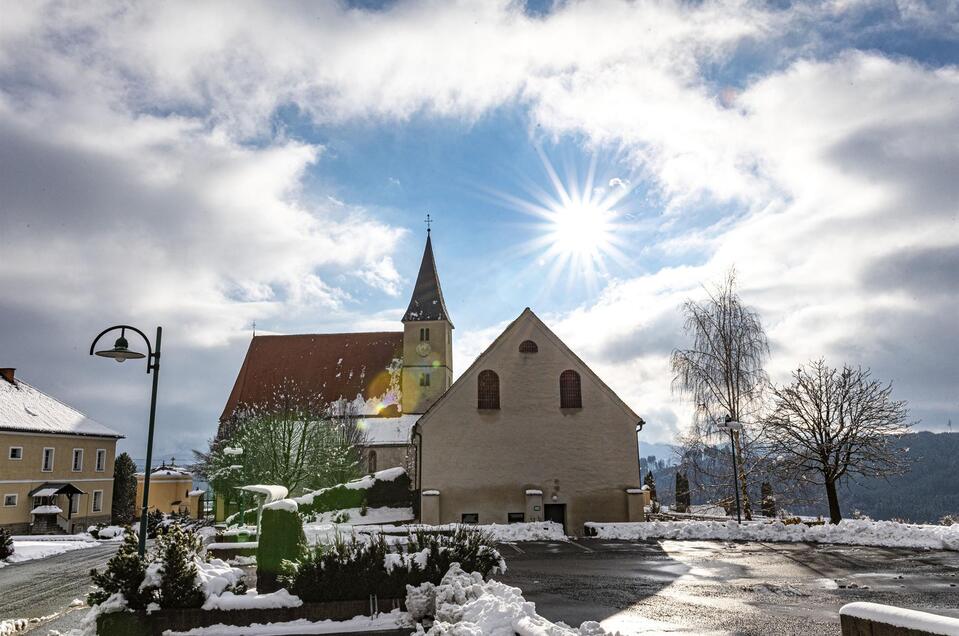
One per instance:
[(423, 349)]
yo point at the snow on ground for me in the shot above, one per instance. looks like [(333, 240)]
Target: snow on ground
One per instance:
[(922, 622), (29, 548), (358, 624), (252, 600), (373, 516), (847, 532), (465, 604), (508, 532)]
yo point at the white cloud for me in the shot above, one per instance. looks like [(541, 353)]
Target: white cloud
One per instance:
[(165, 180)]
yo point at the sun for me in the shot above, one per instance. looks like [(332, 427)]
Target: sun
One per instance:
[(579, 228)]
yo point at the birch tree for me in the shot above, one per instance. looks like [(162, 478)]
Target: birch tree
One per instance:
[(831, 424), (722, 372)]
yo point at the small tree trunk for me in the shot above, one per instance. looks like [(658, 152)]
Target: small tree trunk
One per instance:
[(747, 509), (834, 515)]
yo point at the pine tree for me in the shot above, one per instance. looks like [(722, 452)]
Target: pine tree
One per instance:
[(177, 550), (124, 574), (682, 492), (651, 482), (6, 544), (769, 500), (124, 490)]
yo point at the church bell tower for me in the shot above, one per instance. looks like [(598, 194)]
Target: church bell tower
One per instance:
[(427, 340)]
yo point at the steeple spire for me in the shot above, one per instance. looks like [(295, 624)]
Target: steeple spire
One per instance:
[(427, 301)]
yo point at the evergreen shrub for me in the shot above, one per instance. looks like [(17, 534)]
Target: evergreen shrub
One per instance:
[(176, 551), (6, 544), (124, 574), (281, 539), (353, 569)]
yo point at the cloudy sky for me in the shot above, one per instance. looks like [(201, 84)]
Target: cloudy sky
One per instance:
[(206, 165)]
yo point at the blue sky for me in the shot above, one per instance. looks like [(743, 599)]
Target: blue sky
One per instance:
[(207, 166)]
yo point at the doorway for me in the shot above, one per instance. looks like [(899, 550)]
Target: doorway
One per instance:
[(555, 512)]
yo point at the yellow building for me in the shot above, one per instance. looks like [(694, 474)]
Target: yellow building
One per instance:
[(56, 464), (171, 491)]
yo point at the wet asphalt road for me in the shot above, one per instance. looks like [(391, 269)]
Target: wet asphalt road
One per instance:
[(695, 587), (44, 587), (714, 587)]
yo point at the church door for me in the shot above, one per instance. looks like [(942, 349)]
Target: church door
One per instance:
[(555, 512)]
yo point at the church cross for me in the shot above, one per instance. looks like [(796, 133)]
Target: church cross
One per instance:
[(428, 221)]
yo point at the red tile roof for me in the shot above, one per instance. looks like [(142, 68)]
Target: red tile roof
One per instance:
[(325, 366)]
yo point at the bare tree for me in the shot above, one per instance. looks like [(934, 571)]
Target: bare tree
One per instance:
[(291, 439), (723, 372), (829, 424)]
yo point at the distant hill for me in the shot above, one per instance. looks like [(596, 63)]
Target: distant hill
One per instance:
[(925, 494)]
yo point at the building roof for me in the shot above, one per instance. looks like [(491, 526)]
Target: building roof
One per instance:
[(359, 367), (388, 431), (28, 409), (427, 301)]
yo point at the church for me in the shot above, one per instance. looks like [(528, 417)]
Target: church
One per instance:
[(527, 433)]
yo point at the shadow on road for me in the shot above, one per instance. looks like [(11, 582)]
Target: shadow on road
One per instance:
[(588, 579)]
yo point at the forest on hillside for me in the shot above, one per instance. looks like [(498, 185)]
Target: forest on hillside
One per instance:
[(925, 494)]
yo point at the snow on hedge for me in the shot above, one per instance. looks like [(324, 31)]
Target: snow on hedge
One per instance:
[(252, 600), (847, 532), (373, 516), (282, 504), (363, 483), (465, 604), (359, 625), (900, 617)]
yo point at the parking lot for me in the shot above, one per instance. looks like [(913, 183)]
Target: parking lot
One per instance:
[(714, 587)]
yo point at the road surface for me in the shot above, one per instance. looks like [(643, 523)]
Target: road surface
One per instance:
[(45, 587), (715, 587)]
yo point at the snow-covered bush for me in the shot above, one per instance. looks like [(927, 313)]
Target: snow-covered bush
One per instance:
[(949, 520), (123, 576), (6, 544), (354, 569), (177, 571), (281, 539)]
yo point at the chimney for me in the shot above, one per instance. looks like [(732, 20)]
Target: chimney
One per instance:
[(7, 374)]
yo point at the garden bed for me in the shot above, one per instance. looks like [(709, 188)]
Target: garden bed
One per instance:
[(140, 623)]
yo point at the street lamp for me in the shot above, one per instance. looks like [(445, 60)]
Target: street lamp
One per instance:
[(121, 352), (734, 427)]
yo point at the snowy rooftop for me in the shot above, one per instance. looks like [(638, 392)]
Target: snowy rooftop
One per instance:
[(25, 408), (384, 431)]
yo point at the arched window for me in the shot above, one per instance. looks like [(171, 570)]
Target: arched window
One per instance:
[(487, 390), (371, 461), (528, 346), (570, 392)]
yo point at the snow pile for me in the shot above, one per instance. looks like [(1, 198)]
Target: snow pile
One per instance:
[(359, 625), (11, 626), (465, 604), (216, 575), (28, 549), (367, 481), (107, 532), (922, 622), (848, 532), (252, 600)]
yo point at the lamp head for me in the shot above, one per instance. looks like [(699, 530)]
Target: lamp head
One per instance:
[(121, 351)]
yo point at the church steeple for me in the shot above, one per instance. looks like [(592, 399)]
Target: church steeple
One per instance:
[(427, 340), (427, 301)]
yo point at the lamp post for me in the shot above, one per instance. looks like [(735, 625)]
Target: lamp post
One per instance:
[(121, 352), (734, 427)]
